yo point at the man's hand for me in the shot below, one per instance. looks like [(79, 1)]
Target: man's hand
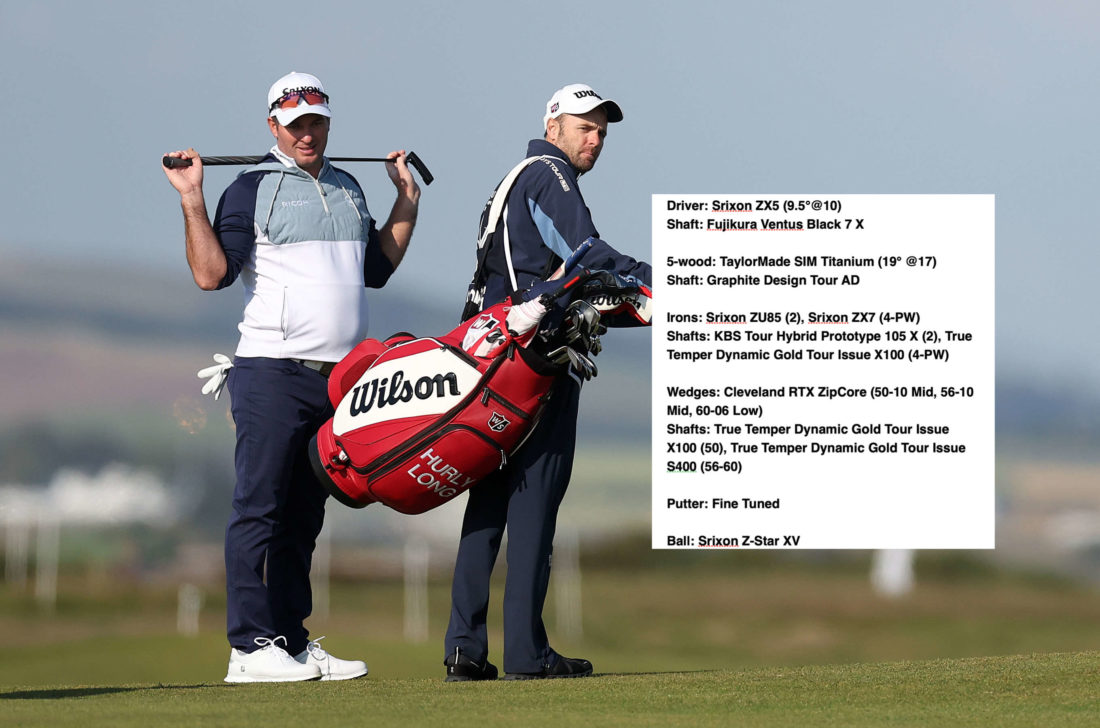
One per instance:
[(402, 177), (204, 254), (186, 180), (396, 233)]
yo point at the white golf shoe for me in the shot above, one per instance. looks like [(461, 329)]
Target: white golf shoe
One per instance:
[(332, 668), (270, 663)]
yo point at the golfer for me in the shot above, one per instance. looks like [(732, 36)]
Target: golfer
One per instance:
[(299, 235), (545, 220)]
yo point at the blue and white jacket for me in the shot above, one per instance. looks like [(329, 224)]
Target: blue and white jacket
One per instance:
[(305, 249), (546, 219)]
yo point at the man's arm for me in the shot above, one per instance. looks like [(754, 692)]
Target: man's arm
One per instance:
[(204, 253), (395, 234), (564, 222)]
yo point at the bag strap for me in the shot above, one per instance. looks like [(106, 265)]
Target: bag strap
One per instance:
[(498, 209), (498, 206)]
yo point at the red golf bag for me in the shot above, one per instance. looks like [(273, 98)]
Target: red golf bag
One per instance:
[(420, 420)]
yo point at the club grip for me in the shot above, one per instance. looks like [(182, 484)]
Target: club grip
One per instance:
[(176, 162)]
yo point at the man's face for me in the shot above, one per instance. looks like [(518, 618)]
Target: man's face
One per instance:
[(580, 137), (303, 139)]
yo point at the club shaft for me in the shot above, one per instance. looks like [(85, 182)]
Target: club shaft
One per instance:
[(411, 158)]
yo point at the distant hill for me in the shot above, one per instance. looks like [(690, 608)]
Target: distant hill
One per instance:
[(80, 335)]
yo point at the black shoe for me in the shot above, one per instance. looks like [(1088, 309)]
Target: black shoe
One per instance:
[(461, 668), (562, 667)]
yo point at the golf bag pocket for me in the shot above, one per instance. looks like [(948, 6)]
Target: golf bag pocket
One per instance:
[(435, 470)]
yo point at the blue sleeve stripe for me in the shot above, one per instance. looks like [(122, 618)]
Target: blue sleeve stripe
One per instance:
[(550, 235)]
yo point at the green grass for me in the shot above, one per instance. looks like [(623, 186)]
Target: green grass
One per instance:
[(762, 640), (1034, 690)]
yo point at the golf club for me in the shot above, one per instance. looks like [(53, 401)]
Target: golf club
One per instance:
[(411, 158)]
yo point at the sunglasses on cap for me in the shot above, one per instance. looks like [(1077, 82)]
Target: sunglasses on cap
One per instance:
[(311, 95)]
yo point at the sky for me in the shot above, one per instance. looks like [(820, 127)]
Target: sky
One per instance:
[(845, 97)]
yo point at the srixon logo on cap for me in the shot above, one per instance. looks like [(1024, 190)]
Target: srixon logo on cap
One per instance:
[(587, 92)]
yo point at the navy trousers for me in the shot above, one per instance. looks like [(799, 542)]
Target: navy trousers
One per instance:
[(278, 505), (525, 496)]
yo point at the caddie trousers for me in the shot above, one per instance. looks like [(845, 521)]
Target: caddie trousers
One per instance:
[(524, 496)]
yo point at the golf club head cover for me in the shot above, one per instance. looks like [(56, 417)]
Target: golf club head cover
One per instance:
[(490, 333), (616, 296), (625, 299)]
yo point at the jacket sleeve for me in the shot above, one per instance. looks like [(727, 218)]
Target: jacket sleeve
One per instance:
[(604, 257), (564, 222), (234, 225), (377, 268)]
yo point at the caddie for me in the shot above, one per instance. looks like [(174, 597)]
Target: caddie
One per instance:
[(544, 220), (299, 235)]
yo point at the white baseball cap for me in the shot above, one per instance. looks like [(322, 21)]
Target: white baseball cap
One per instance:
[(579, 98), (300, 93)]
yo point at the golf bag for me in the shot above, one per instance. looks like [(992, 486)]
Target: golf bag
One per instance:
[(420, 420)]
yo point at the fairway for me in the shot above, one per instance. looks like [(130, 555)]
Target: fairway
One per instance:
[(676, 641), (1035, 690)]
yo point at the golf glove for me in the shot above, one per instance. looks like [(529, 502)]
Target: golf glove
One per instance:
[(216, 375)]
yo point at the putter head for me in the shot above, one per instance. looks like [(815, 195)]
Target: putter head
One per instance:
[(419, 166)]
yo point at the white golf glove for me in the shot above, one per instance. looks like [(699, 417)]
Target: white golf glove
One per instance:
[(216, 375)]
